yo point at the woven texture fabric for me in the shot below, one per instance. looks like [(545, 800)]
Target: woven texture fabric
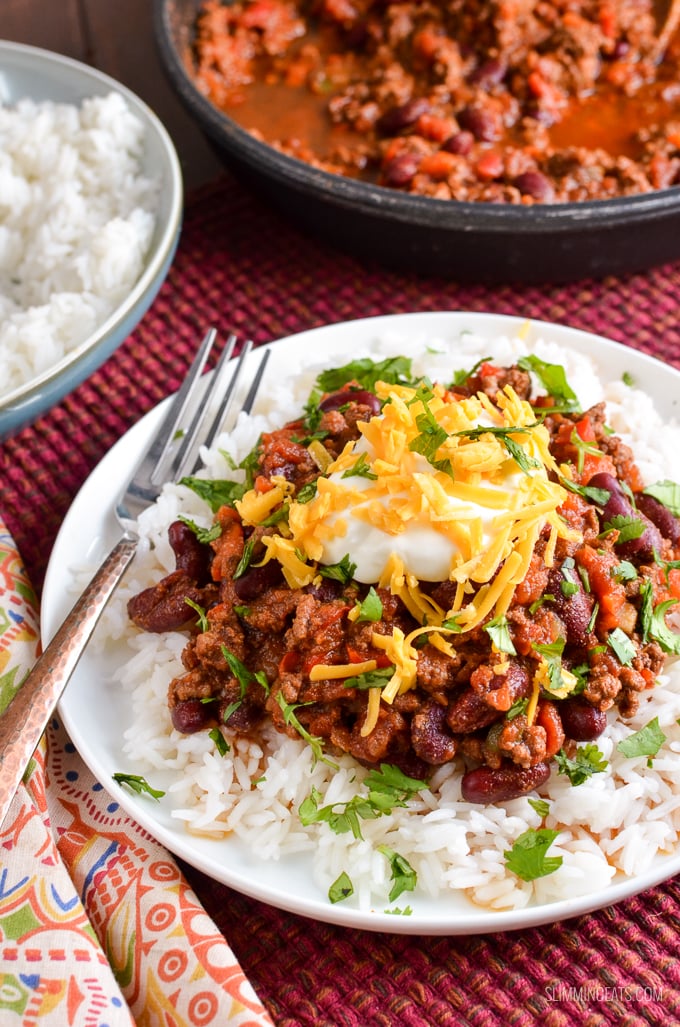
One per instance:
[(241, 267)]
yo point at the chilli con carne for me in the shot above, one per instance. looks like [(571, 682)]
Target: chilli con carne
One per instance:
[(505, 675), (504, 102)]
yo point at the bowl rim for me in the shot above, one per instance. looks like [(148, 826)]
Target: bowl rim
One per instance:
[(29, 393), (465, 216)]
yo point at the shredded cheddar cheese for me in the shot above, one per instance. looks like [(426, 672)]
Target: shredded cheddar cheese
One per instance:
[(436, 488)]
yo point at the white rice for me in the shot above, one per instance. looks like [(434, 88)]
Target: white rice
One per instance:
[(76, 221), (614, 823)]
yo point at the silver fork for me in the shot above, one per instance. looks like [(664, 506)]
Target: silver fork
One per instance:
[(170, 456)]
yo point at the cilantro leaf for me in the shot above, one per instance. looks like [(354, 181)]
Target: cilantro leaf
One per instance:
[(371, 678), (138, 784), (600, 497), (540, 806), (404, 877), (554, 380), (527, 857), (395, 370), (290, 718), (499, 633), (361, 469), (341, 888), (653, 621), (216, 493), (645, 742), (202, 534), (514, 449), (342, 571), (370, 608), (622, 646), (203, 622), (667, 493), (588, 760), (220, 741), (627, 527)]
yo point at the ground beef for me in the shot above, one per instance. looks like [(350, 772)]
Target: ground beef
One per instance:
[(254, 652), (518, 103)]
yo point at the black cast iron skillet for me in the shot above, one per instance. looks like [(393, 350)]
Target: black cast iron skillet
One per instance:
[(482, 242)]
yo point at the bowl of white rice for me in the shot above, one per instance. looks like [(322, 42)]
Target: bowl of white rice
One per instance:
[(90, 216)]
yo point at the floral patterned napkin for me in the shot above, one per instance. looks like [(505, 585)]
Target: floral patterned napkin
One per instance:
[(98, 927)]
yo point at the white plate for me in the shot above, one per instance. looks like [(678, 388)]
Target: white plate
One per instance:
[(96, 717)]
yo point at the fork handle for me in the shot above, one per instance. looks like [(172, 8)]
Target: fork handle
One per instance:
[(26, 717)]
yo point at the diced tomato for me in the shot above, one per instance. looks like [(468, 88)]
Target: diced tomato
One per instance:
[(609, 593), (289, 663), (548, 718), (438, 165)]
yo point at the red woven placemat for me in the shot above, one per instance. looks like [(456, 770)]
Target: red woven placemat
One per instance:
[(241, 267)]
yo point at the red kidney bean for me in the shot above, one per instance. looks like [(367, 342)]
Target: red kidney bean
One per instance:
[(574, 610), (406, 114), (468, 712), (430, 737), (191, 715), (257, 580), (460, 143), (660, 515), (480, 122), (191, 556), (618, 504), (581, 721), (163, 607), (340, 399), (535, 183), (400, 169), (490, 73), (485, 785)]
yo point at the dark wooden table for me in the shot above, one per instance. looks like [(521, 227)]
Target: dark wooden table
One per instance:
[(117, 37)]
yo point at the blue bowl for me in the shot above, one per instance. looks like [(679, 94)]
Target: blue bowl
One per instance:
[(27, 71)]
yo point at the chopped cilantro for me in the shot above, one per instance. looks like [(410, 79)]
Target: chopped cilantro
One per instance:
[(527, 857), (220, 741), (518, 707), (203, 622), (653, 621), (342, 571), (245, 561), (540, 806), (624, 648), (569, 585), (202, 534), (600, 497), (361, 469), (371, 678), (627, 527), (306, 493), (395, 370), (397, 911), (627, 379), (554, 380), (137, 784), (547, 597), (388, 788), (514, 449), (432, 436), (341, 888), (588, 760), (499, 633), (216, 493), (370, 608), (645, 742), (404, 877), (316, 744), (552, 654), (667, 493), (582, 447), (624, 571)]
